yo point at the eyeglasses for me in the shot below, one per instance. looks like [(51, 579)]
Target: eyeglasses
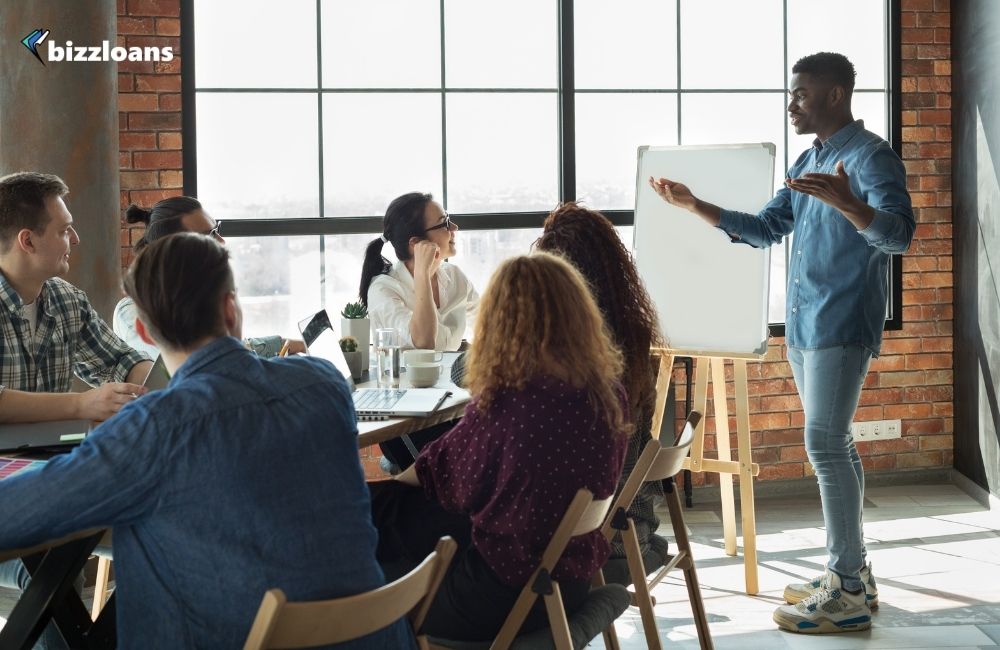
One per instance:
[(214, 232), (446, 224)]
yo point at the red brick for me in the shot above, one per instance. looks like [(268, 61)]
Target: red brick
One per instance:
[(927, 394), (891, 379), (937, 344), (910, 133), (156, 41), (935, 182), (168, 67), (154, 121), (879, 463), (888, 363), (128, 25), (919, 459), (124, 159), (908, 85), (168, 27), (918, 100), (933, 20), (780, 471), (168, 83), (915, 5), (933, 117), (791, 454), (942, 68), (942, 35), (139, 180), (917, 411), (135, 66), (154, 8), (764, 421), (172, 178), (900, 346), (909, 118), (141, 141), (126, 83), (168, 141), (157, 160), (780, 403), (933, 51), (880, 396), (917, 36), (129, 102), (916, 68), (170, 102), (894, 446)]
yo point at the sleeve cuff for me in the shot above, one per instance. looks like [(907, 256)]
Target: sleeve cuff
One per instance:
[(730, 223), (880, 227)]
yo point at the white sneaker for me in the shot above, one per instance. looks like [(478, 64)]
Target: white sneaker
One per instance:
[(830, 609), (799, 591)]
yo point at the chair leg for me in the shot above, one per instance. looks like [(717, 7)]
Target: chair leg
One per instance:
[(690, 574), (644, 600), (101, 586), (609, 634), (557, 619)]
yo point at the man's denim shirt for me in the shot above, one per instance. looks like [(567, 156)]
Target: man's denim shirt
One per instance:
[(242, 475), (837, 278)]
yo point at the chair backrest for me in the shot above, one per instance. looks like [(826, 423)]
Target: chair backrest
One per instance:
[(280, 624), (583, 515), (670, 459)]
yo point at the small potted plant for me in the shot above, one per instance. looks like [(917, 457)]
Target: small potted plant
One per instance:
[(355, 322), (349, 346)]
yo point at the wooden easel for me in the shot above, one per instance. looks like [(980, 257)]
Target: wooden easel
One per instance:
[(724, 466)]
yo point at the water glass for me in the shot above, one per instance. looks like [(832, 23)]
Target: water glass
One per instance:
[(387, 354)]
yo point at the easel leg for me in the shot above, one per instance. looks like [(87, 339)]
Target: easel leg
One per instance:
[(662, 385), (700, 401), (723, 445), (746, 476)]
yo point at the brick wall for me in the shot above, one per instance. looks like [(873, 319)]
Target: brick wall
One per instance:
[(912, 380), (149, 110)]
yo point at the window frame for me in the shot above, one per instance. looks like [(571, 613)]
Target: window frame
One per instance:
[(566, 98)]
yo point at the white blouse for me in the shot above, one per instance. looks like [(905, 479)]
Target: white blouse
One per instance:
[(123, 323), (392, 298)]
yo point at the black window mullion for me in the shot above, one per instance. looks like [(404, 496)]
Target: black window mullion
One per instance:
[(567, 103)]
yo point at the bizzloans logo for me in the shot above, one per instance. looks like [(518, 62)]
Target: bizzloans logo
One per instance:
[(93, 53)]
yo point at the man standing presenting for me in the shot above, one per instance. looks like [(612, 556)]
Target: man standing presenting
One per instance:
[(846, 201)]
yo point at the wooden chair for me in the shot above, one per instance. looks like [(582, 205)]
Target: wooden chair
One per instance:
[(583, 516), (657, 463), (101, 592), (280, 624)]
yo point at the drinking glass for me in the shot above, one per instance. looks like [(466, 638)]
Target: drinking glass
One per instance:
[(387, 353)]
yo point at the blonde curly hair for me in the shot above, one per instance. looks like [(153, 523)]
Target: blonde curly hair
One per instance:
[(537, 318)]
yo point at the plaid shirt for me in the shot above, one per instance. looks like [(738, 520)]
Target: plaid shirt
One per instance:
[(70, 338)]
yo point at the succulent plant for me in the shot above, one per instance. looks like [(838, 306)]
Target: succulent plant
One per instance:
[(348, 344), (354, 310)]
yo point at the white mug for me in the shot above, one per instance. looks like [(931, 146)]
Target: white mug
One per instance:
[(422, 356), (423, 374)]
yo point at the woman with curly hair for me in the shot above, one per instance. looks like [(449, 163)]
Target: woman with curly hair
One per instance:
[(588, 240), (548, 417)]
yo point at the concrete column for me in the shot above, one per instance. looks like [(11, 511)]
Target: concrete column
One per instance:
[(62, 118)]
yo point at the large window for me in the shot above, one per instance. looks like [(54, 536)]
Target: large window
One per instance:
[(304, 119)]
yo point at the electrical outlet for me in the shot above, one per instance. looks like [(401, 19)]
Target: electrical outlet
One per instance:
[(876, 430)]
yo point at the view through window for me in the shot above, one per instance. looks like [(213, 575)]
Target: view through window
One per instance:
[(462, 98)]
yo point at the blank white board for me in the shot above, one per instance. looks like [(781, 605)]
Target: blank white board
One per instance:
[(710, 294)]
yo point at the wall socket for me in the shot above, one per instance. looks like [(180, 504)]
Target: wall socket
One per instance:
[(876, 430)]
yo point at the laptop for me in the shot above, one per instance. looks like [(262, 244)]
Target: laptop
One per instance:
[(370, 403), (158, 376)]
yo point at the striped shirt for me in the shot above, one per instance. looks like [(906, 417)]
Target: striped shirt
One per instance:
[(70, 337)]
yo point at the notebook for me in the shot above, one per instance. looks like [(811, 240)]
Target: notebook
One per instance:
[(13, 466), (370, 403), (43, 434)]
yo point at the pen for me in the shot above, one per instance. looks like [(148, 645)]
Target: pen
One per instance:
[(284, 349), (446, 395)]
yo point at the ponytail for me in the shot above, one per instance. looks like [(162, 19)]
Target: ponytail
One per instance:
[(375, 264)]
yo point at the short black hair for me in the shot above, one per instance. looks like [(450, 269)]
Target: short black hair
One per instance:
[(22, 203), (830, 66), (176, 283), (162, 219)]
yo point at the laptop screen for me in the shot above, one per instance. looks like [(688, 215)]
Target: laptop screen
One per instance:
[(321, 341)]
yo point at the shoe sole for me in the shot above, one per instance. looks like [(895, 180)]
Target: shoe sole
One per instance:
[(823, 625), (793, 596)]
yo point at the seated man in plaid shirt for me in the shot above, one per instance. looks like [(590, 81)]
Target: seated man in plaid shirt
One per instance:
[(48, 329)]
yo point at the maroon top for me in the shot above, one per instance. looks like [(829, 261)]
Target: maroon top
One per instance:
[(515, 469)]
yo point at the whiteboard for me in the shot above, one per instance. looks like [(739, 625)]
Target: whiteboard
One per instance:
[(710, 294)]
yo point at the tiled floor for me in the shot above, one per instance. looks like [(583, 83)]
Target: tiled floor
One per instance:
[(935, 553)]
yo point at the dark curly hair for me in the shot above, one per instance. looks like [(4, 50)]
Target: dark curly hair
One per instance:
[(589, 241)]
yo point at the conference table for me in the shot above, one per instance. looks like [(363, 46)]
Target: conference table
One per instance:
[(54, 565)]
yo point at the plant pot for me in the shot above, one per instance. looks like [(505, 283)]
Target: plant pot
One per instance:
[(354, 363), (359, 328)]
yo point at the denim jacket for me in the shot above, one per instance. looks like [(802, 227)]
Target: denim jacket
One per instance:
[(838, 275), (240, 476)]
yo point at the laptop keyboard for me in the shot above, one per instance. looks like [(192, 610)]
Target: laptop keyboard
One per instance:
[(377, 399)]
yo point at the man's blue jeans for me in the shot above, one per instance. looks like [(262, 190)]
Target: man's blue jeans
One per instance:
[(829, 382), (14, 575)]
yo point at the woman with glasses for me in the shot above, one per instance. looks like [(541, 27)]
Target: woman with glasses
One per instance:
[(166, 217), (430, 304)]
